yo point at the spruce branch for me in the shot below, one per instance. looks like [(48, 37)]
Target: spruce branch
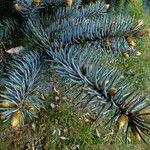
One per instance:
[(117, 33), (28, 8), (61, 2), (102, 90), (62, 18), (20, 83), (90, 11)]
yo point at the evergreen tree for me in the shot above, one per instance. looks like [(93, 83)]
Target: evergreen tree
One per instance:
[(80, 41)]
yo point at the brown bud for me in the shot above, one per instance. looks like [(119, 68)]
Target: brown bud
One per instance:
[(18, 7), (112, 92), (107, 42), (36, 2), (126, 55), (7, 105), (16, 118), (128, 34), (69, 2), (31, 107), (36, 93), (122, 121), (131, 42)]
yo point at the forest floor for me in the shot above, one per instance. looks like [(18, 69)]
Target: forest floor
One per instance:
[(60, 126)]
